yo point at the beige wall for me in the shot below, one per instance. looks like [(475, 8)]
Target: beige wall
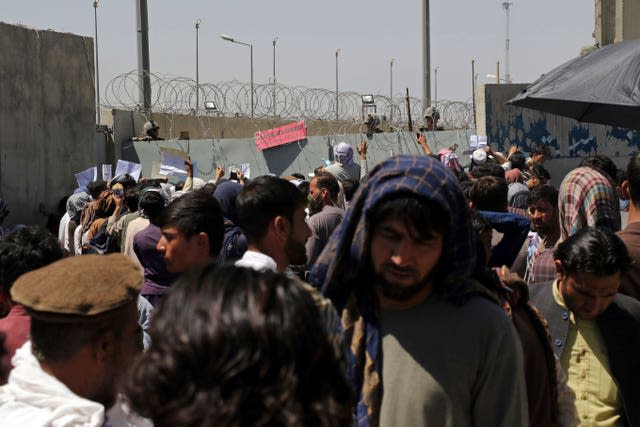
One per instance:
[(47, 118)]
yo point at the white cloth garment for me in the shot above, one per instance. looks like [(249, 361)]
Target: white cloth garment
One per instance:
[(34, 398), (257, 261)]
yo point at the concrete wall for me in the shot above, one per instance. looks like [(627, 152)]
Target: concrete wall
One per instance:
[(302, 157), (47, 118), (505, 125)]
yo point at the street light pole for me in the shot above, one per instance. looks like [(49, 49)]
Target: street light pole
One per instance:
[(95, 16), (435, 95), (198, 21), (232, 40), (337, 53), (391, 90), (275, 40)]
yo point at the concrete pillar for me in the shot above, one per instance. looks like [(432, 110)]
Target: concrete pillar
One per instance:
[(605, 25)]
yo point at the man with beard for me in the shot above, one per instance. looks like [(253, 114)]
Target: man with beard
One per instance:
[(429, 345), (271, 214), (535, 260), (324, 214)]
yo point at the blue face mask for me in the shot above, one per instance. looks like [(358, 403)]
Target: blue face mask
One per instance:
[(624, 205)]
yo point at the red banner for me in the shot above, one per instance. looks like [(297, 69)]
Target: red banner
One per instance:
[(280, 136)]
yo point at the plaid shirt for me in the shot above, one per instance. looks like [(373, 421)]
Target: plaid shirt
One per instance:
[(587, 199)]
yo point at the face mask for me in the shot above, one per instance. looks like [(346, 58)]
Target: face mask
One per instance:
[(315, 204), (624, 205)]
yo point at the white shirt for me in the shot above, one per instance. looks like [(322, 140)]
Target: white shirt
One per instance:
[(258, 261)]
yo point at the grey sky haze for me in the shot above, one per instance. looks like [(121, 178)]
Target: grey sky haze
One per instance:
[(544, 34)]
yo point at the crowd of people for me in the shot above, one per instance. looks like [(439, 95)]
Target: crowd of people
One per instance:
[(425, 290)]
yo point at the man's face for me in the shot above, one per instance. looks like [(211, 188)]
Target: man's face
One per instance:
[(586, 294), (544, 217), (402, 264), (300, 232), (538, 158), (315, 199), (180, 252), (120, 355)]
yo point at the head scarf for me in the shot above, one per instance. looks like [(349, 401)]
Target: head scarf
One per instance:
[(226, 194), (341, 263), (587, 198), (343, 153), (76, 203)]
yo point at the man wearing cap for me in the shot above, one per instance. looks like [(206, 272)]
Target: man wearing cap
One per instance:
[(84, 336), (344, 168)]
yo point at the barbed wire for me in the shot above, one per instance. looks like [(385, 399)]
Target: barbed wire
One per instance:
[(177, 95)]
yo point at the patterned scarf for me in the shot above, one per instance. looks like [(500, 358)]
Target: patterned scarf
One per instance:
[(587, 198), (343, 274)]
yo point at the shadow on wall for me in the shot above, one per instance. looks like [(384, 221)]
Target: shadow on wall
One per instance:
[(279, 159)]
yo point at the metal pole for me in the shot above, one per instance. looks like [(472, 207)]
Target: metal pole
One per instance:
[(473, 91), (435, 75), (426, 56), (507, 74), (275, 40), (498, 72), (95, 16), (391, 90), (144, 68), (337, 52), (252, 104), (197, 68)]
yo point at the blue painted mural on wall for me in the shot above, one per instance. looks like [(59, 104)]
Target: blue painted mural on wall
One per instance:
[(507, 125)]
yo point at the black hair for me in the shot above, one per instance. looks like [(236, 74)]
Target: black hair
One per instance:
[(329, 182), (350, 187), (96, 188), (263, 199), (489, 168), (179, 186), (633, 176), (593, 250), (545, 193), (489, 194), (602, 164), (517, 160), (540, 172), (24, 250), (193, 213), (251, 351), (541, 149), (298, 175), (424, 216), (132, 198), (209, 188), (152, 203)]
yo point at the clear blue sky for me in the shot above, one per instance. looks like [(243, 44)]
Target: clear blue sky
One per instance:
[(544, 34)]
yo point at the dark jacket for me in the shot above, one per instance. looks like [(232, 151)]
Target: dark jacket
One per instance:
[(619, 326)]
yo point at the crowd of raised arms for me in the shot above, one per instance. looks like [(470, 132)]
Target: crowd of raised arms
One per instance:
[(434, 289)]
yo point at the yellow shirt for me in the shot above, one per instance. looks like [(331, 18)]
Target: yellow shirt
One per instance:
[(586, 362)]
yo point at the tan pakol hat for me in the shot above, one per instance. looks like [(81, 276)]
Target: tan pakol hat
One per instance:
[(79, 287)]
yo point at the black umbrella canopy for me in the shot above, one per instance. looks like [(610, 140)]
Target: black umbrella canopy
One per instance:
[(602, 86)]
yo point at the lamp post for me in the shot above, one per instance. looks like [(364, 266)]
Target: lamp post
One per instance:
[(275, 40), (198, 21), (337, 53), (232, 40), (95, 16), (435, 78), (391, 89)]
